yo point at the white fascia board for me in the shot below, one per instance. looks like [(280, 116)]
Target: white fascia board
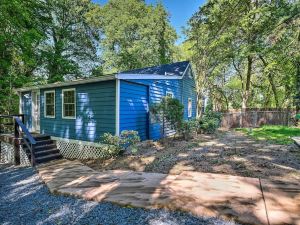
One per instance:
[(65, 84), (186, 69), (123, 76)]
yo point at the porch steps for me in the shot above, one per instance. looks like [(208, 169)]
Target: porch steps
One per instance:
[(45, 149)]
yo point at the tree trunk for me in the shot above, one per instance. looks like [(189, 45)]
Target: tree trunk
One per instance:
[(246, 93), (297, 102), (271, 81)]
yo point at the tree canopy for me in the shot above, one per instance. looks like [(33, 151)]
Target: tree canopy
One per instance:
[(246, 53)]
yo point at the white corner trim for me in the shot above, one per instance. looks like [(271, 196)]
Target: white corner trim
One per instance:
[(52, 91), (62, 105), (146, 76), (117, 107)]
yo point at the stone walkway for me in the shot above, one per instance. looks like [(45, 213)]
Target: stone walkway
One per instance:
[(246, 200), (297, 140)]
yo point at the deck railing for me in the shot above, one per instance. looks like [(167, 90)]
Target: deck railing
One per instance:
[(20, 131)]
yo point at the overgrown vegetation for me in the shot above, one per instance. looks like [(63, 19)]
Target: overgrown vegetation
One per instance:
[(276, 134), (170, 113), (115, 145), (246, 53)]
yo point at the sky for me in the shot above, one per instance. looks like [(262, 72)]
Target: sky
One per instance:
[(180, 12)]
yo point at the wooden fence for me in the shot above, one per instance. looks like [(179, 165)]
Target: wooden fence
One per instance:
[(256, 118)]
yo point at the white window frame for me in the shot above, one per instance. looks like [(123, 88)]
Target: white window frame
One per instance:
[(169, 93), (62, 106), (45, 104), (190, 112)]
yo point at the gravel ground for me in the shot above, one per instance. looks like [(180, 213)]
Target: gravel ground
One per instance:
[(25, 200)]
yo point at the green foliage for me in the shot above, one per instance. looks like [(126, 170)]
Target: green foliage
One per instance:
[(246, 53), (129, 139), (169, 110), (276, 134), (135, 35), (209, 122), (188, 128), (70, 51), (117, 144), (21, 31)]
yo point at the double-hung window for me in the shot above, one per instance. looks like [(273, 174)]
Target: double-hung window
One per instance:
[(49, 104), (69, 103)]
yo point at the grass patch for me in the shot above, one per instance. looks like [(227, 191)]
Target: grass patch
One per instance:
[(276, 134)]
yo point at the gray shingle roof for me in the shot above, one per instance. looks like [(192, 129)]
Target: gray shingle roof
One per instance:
[(176, 69)]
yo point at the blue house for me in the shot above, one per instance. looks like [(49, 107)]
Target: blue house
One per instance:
[(85, 109)]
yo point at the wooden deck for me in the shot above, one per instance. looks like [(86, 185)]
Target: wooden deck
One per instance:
[(247, 200)]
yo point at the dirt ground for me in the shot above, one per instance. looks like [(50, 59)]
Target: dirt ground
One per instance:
[(227, 152)]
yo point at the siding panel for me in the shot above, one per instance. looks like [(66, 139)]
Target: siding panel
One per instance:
[(134, 108), (95, 112)]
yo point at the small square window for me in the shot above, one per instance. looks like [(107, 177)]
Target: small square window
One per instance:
[(169, 94)]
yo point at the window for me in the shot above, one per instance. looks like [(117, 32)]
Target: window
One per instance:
[(190, 107), (169, 94), (50, 104), (69, 104)]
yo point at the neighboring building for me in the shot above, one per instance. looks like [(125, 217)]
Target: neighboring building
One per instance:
[(85, 109)]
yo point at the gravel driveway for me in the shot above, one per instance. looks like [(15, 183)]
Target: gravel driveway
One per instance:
[(25, 200)]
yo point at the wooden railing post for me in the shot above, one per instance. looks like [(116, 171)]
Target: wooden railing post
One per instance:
[(32, 156)]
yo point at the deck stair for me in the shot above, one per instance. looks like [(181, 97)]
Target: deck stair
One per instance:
[(45, 149)]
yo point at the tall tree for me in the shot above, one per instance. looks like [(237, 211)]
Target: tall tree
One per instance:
[(135, 35), (237, 38), (21, 30), (70, 49)]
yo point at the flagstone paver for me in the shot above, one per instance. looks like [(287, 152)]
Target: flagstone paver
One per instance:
[(202, 194), (282, 202), (297, 140)]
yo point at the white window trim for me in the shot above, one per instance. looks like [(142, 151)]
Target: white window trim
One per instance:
[(170, 93), (62, 106), (190, 114), (45, 103)]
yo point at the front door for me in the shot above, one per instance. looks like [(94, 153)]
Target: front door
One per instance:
[(36, 111)]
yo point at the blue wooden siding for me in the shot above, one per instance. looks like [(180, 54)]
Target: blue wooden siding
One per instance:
[(27, 108), (189, 91), (182, 90), (95, 112), (134, 108)]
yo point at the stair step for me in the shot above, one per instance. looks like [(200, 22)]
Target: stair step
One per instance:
[(48, 158), (46, 152), (42, 137), (41, 147), (44, 142)]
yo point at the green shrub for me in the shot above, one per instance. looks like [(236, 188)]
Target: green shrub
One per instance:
[(117, 144), (209, 122), (188, 128), (112, 143), (169, 110), (130, 139)]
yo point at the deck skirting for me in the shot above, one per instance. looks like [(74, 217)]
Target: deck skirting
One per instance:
[(76, 149)]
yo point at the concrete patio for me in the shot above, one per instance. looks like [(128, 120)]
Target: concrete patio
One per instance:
[(246, 200)]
